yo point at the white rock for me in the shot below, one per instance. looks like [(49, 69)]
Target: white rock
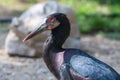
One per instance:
[(28, 21)]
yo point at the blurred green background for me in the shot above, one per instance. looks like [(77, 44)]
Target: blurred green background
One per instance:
[(94, 16)]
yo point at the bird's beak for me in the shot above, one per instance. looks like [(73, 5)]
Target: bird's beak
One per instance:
[(40, 29)]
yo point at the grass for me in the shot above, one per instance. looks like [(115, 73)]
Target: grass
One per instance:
[(4, 25), (111, 35), (7, 3), (81, 6)]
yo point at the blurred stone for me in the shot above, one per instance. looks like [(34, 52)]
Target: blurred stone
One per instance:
[(27, 22)]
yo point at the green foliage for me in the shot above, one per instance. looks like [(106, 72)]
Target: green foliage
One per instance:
[(7, 2), (12, 2), (98, 24), (93, 15)]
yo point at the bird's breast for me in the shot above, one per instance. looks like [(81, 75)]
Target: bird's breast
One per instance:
[(54, 61), (59, 60)]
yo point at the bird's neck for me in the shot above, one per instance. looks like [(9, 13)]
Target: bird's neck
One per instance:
[(52, 47), (57, 39)]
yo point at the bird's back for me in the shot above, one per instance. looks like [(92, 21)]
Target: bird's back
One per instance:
[(88, 66)]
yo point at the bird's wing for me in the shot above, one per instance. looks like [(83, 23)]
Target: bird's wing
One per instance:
[(77, 76), (83, 65), (68, 73)]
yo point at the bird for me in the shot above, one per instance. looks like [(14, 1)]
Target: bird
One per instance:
[(69, 63)]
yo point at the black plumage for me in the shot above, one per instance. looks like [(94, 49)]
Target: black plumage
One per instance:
[(70, 64)]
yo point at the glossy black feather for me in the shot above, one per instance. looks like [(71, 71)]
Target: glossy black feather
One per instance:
[(88, 66), (73, 64)]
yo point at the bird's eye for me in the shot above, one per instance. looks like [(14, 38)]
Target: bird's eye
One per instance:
[(50, 20)]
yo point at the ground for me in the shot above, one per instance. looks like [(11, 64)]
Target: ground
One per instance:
[(19, 68)]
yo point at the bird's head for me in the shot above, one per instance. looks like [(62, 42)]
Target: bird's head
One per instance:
[(50, 23)]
